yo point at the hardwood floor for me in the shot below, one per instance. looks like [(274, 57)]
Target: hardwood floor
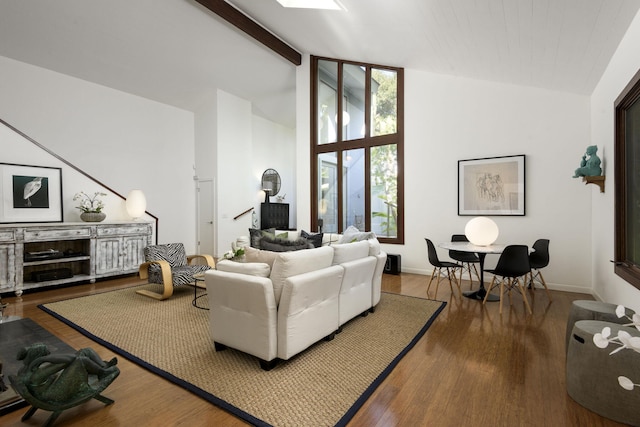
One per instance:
[(473, 367)]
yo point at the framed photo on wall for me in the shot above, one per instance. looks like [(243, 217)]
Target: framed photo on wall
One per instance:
[(30, 193), (491, 186)]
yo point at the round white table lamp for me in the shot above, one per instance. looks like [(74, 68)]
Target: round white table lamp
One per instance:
[(136, 204), (481, 231)]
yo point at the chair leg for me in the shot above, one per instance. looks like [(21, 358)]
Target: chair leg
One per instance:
[(489, 290), (438, 279), (455, 279), (450, 272), (524, 294), (541, 280), (433, 272)]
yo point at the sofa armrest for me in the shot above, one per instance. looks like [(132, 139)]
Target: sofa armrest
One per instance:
[(243, 312), (381, 260)]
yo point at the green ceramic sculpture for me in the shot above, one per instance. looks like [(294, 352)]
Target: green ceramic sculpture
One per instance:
[(590, 166), (55, 382)]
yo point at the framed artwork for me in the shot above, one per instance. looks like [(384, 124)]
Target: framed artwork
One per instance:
[(491, 186), (30, 193)]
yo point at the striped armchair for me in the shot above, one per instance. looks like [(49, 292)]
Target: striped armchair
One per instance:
[(170, 266)]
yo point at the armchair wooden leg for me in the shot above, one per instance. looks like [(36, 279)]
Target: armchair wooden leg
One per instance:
[(167, 290)]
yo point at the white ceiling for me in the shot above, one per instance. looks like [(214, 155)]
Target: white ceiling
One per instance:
[(177, 52)]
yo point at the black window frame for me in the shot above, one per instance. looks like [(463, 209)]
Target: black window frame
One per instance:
[(367, 143), (625, 267)]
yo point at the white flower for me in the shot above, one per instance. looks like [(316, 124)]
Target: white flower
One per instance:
[(89, 203), (623, 339), (636, 321), (625, 383), (601, 339)]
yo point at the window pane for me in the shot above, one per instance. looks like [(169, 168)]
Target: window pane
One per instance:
[(353, 78), (327, 106), (632, 158), (328, 192), (384, 190), (384, 102), (353, 188)]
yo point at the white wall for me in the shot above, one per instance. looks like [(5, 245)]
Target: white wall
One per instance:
[(274, 147), (246, 146), (121, 140), (449, 119), (237, 182), (623, 66)]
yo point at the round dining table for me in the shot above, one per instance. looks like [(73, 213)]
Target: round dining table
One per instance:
[(482, 252)]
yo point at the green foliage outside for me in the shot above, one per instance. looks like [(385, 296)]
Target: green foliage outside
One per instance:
[(384, 159)]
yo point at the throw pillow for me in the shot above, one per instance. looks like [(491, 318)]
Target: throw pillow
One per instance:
[(352, 234), (284, 245), (314, 239), (256, 236)]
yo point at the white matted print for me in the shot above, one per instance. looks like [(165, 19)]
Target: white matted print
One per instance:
[(491, 186), (30, 193)]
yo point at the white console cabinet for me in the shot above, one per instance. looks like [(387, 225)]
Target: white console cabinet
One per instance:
[(39, 255)]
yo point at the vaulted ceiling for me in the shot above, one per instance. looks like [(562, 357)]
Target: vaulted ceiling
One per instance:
[(178, 52)]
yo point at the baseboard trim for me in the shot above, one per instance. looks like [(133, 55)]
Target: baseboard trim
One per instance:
[(553, 286)]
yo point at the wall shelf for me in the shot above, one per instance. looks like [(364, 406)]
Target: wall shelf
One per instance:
[(597, 180)]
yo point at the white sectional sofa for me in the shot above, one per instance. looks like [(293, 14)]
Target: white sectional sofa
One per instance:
[(277, 308)]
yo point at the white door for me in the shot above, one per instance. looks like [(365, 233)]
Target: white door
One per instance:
[(206, 238)]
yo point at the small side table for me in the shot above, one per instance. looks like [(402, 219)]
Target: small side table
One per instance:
[(592, 373), (593, 310), (198, 283)]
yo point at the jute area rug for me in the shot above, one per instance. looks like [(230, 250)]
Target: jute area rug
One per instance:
[(322, 386)]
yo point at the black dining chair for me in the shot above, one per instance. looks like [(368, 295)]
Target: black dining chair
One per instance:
[(442, 269), (538, 259), (468, 260), (510, 272)]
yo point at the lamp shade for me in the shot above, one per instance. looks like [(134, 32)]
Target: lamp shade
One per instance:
[(136, 203), (481, 231)]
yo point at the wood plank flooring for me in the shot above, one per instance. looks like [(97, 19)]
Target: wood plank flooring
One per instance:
[(474, 367)]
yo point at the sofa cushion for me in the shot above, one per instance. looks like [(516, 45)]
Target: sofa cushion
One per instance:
[(314, 239), (259, 269), (258, 255), (374, 247), (289, 264), (345, 252), (352, 234), (284, 245)]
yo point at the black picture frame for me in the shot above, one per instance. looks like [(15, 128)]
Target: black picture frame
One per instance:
[(30, 193), (492, 186)]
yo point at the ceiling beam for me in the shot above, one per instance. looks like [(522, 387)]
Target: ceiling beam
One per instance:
[(252, 28)]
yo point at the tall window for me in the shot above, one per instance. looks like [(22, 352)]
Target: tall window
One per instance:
[(357, 148), (627, 189)]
